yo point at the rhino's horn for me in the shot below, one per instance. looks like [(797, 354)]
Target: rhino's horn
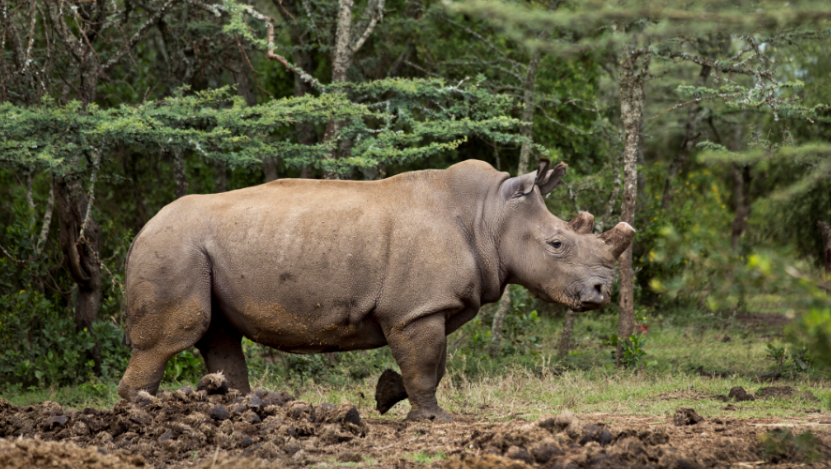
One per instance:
[(618, 238), (582, 223)]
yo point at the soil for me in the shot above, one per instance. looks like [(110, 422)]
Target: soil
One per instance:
[(225, 429)]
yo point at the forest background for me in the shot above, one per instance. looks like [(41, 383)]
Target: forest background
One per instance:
[(703, 124)]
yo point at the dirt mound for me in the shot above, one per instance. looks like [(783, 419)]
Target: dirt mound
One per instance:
[(187, 424), (193, 428), (37, 454), (784, 392), (739, 394)]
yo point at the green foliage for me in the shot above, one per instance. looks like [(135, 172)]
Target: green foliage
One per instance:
[(39, 344), (780, 445), (520, 330), (633, 352), (430, 117), (777, 356), (813, 329)]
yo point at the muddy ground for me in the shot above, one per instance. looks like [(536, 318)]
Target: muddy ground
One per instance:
[(217, 428)]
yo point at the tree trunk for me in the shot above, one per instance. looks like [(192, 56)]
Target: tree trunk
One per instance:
[(179, 173), (498, 320), (220, 177), (741, 191), (741, 199), (341, 60), (303, 59), (690, 134), (568, 332), (632, 74), (130, 160), (826, 247), (82, 256)]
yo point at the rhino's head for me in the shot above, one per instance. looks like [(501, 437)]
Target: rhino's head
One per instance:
[(557, 261)]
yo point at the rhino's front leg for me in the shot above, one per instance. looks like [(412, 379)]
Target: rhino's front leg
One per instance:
[(420, 349)]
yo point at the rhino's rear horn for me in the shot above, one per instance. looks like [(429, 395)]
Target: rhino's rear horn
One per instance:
[(618, 238), (582, 223)]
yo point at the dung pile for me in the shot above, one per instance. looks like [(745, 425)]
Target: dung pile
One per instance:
[(190, 424), (564, 442)]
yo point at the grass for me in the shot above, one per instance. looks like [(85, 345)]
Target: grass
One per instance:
[(536, 383)]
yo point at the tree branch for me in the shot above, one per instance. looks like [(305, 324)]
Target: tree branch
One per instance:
[(377, 16), (155, 18)]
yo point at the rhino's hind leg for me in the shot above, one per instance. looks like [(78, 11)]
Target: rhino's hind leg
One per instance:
[(420, 350), (221, 347)]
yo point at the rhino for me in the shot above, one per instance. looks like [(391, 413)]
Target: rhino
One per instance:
[(313, 266)]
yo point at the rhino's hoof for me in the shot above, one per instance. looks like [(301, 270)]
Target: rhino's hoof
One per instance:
[(436, 415)]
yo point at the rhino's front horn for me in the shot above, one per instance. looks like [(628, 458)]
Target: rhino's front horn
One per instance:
[(618, 238)]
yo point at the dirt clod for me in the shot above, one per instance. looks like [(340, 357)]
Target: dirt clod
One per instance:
[(389, 391), (214, 383), (740, 395), (686, 416), (784, 392)]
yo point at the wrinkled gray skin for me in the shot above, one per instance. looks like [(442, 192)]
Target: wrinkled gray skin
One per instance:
[(310, 266)]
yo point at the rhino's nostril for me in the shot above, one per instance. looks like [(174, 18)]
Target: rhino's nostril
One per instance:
[(598, 288)]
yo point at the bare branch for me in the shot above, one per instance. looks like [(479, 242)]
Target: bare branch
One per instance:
[(377, 16), (567, 127), (485, 41), (47, 221), (155, 18), (295, 69)]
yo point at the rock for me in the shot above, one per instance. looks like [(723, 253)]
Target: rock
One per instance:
[(686, 416), (520, 454), (214, 383), (218, 412), (740, 395), (389, 391)]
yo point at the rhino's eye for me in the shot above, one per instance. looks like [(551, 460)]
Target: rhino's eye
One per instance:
[(556, 244)]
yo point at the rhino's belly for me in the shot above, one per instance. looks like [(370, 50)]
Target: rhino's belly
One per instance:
[(313, 331)]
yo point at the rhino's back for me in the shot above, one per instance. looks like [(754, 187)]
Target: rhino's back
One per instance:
[(295, 262)]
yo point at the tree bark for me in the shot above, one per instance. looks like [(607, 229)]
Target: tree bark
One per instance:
[(498, 320), (826, 247), (690, 134), (220, 177), (631, 82), (82, 256), (303, 59), (741, 191), (568, 332), (341, 60)]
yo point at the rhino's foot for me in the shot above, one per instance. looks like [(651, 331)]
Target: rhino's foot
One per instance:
[(435, 414)]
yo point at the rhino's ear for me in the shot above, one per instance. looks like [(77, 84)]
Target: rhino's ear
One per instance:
[(546, 178), (582, 223), (552, 179), (618, 238)]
